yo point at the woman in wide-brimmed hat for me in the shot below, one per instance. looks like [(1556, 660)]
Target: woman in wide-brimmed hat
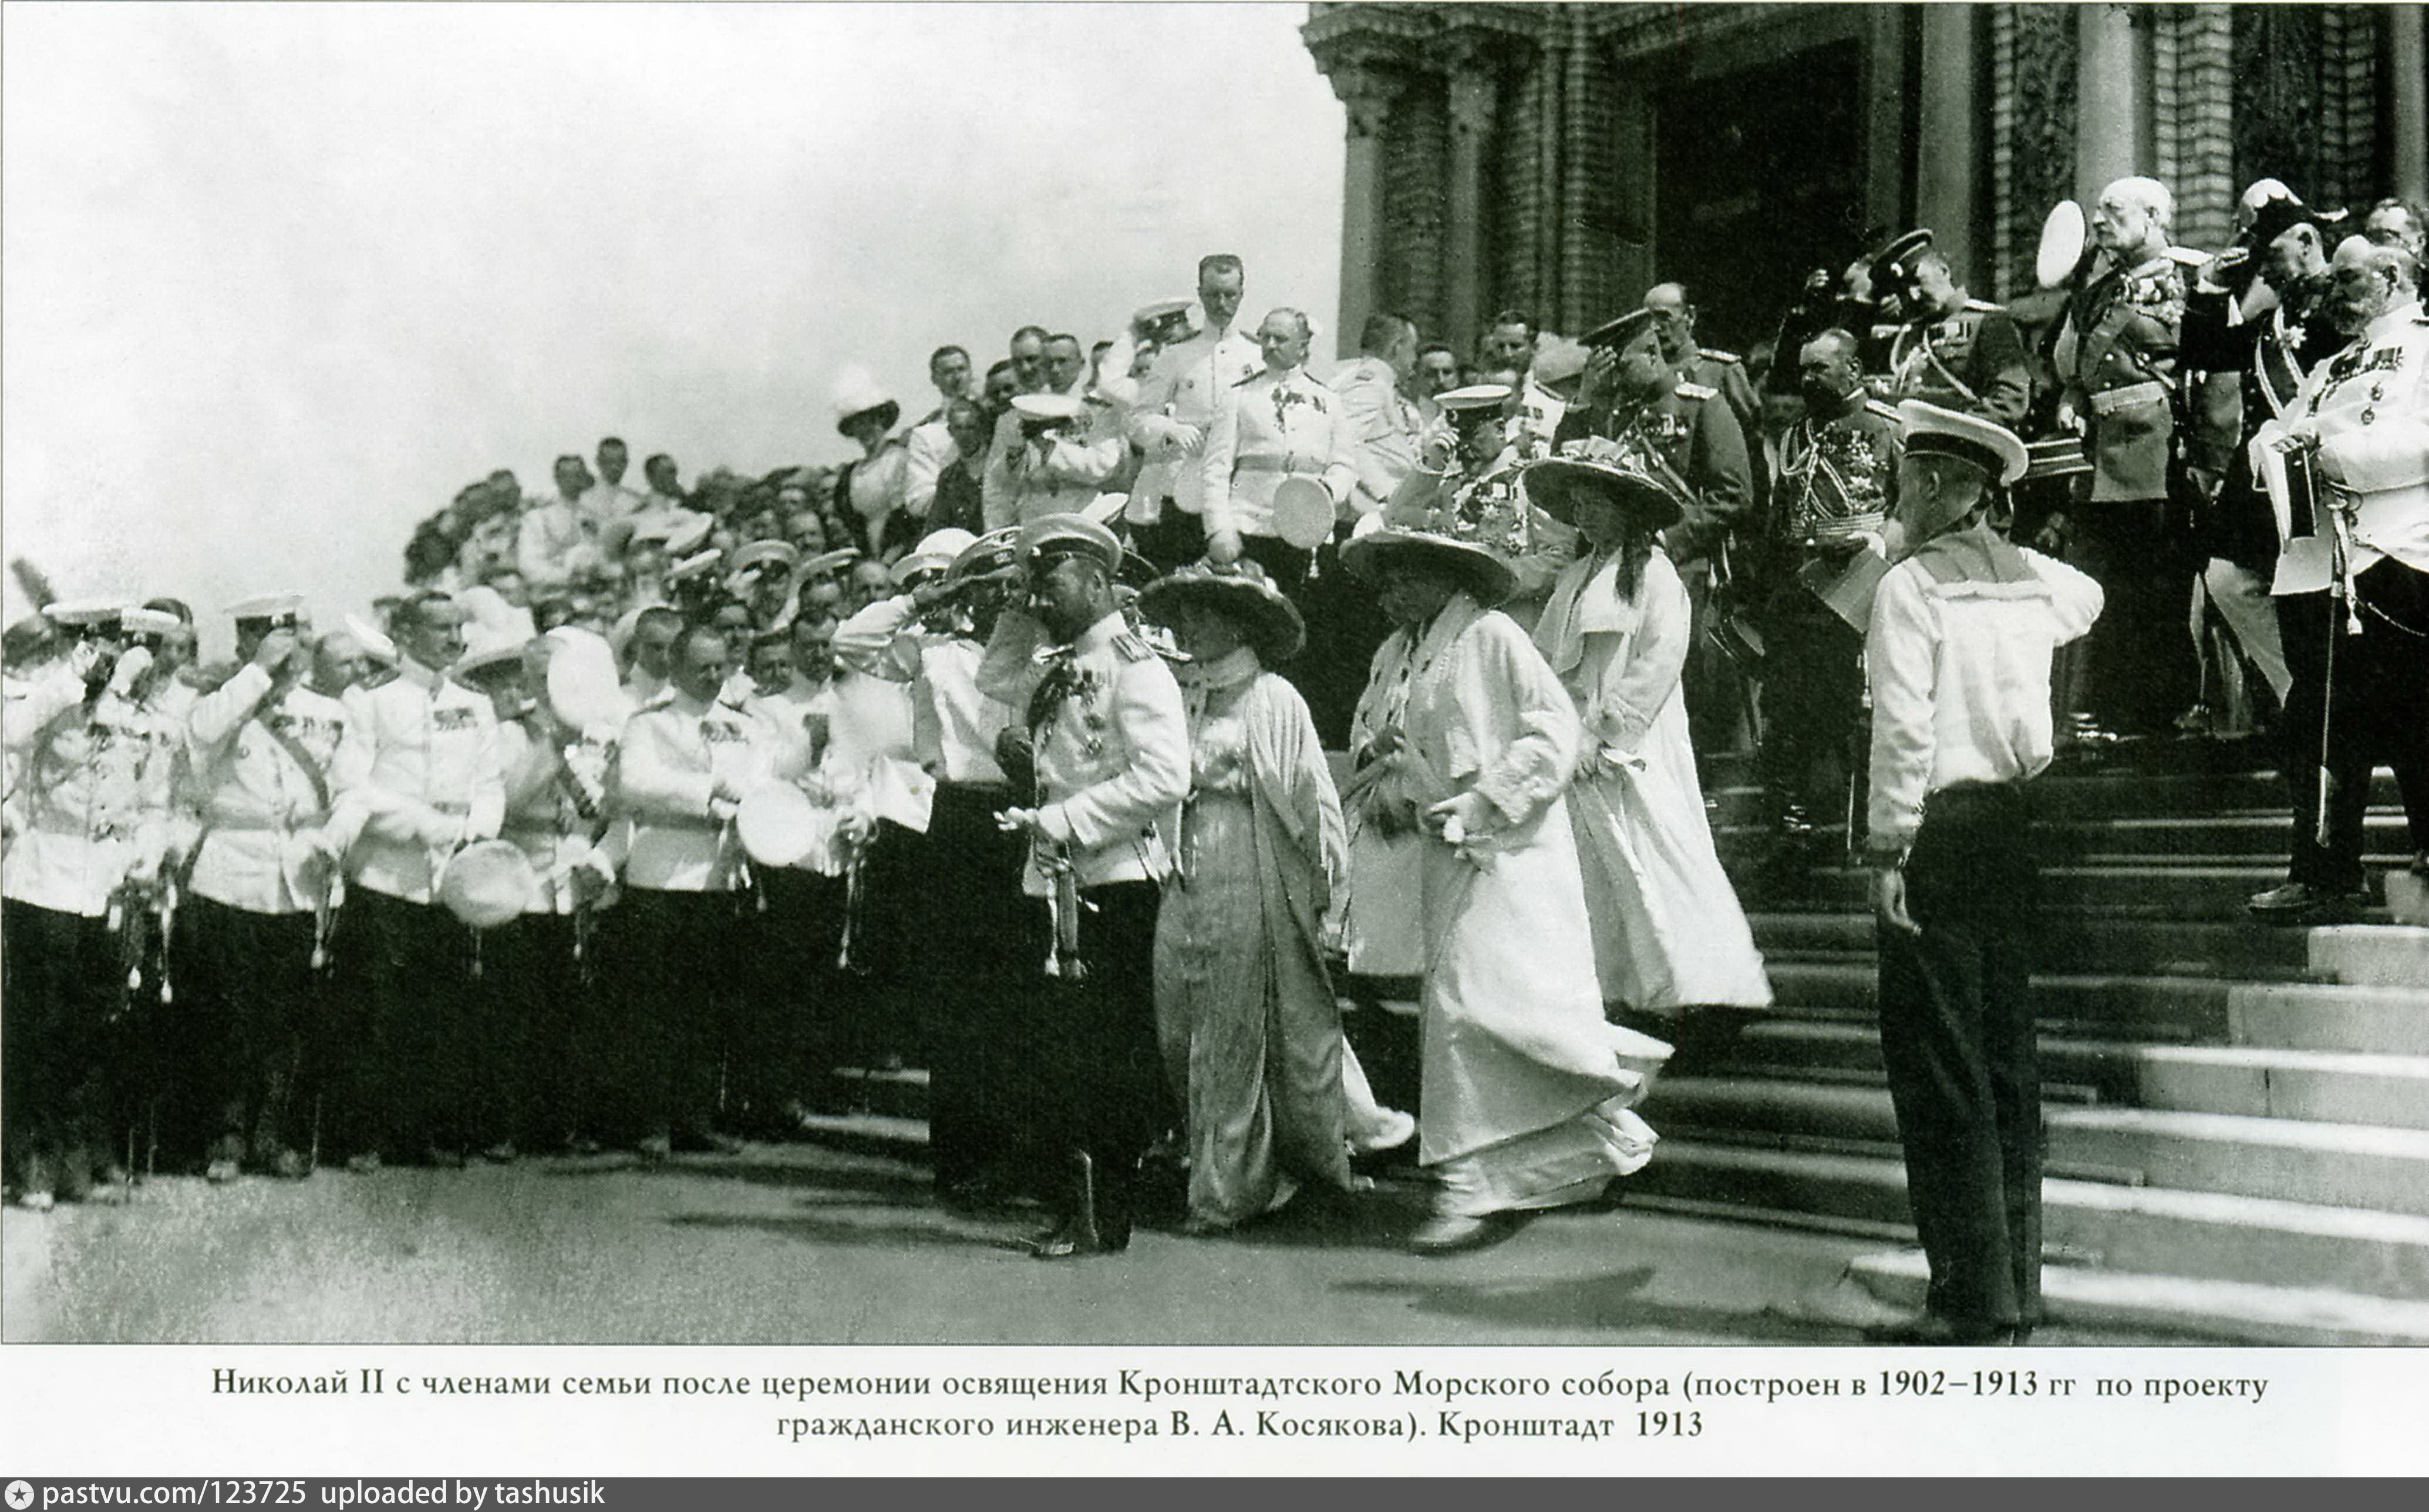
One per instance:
[(1255, 1056), (1469, 741), (1668, 932)]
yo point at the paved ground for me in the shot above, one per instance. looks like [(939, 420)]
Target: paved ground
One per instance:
[(801, 1244)]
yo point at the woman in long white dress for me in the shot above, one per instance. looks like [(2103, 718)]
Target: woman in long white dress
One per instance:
[(1668, 932), (1526, 1093)]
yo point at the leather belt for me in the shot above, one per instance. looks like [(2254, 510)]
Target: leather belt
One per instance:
[(2149, 392)]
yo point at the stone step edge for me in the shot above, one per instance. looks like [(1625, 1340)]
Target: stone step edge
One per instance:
[(2240, 1311), (2316, 1220), (2228, 1130)]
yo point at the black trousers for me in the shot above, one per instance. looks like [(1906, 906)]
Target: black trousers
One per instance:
[(1958, 1038), (674, 956), (1344, 627), (1176, 539), (976, 968), (1099, 1080), (64, 976), (2137, 668), (251, 999), (543, 1035), (1812, 699), (798, 1017), (2375, 708), (407, 1058)]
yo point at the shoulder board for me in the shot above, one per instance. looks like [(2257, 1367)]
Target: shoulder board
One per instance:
[(1714, 355), (1313, 379), (1887, 333), (1886, 410), (1984, 306), (1242, 383), (1130, 646), (1689, 389)]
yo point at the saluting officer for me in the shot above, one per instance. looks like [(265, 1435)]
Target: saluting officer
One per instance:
[(92, 792), (1111, 743), (1951, 350), (1962, 633), (1632, 388), (273, 762), (2116, 358), (435, 785)]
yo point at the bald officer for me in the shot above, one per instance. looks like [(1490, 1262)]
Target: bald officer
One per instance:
[(1283, 423), (1111, 743), (1963, 630)]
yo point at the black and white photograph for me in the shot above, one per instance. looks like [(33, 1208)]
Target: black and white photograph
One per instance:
[(1006, 675)]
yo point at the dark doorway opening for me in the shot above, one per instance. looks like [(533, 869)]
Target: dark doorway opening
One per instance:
[(1758, 177)]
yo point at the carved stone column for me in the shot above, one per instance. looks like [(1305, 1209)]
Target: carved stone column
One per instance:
[(1947, 144), (1367, 94), (2112, 90), (1474, 96), (2410, 67)]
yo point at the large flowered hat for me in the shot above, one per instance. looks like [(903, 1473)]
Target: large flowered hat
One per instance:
[(1622, 472), (1241, 592)]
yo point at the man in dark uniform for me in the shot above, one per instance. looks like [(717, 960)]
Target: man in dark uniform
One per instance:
[(2279, 291), (2116, 358), (1963, 632), (1950, 349), (1110, 740), (1831, 504), (1632, 388)]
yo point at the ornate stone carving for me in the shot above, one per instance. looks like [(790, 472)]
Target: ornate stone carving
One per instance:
[(2277, 79), (1368, 92)]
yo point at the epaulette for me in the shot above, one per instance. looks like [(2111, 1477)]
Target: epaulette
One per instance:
[(1242, 383), (1689, 389), (1714, 355), (1313, 379), (1984, 306), (1881, 407), (1132, 646)]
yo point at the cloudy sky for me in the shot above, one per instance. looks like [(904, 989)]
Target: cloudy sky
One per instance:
[(279, 279)]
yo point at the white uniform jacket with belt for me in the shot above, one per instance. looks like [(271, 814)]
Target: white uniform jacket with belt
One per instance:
[(435, 780), (1272, 426), (677, 753), (1111, 743), (92, 795), (271, 773), (2366, 408), (1176, 411)]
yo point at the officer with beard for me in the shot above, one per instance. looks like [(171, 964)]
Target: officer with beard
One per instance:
[(1830, 503), (1110, 740)]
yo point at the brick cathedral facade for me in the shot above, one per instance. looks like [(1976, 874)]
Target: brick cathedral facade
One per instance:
[(1561, 157)]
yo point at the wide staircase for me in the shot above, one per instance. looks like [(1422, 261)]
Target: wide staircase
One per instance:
[(2238, 1115)]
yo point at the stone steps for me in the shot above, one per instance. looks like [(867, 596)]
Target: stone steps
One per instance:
[(2236, 949), (2145, 1230), (2137, 892), (2327, 1087), (2236, 1312), (2380, 955), (2360, 1165)]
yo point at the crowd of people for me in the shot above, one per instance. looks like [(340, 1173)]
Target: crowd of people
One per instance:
[(1002, 747)]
